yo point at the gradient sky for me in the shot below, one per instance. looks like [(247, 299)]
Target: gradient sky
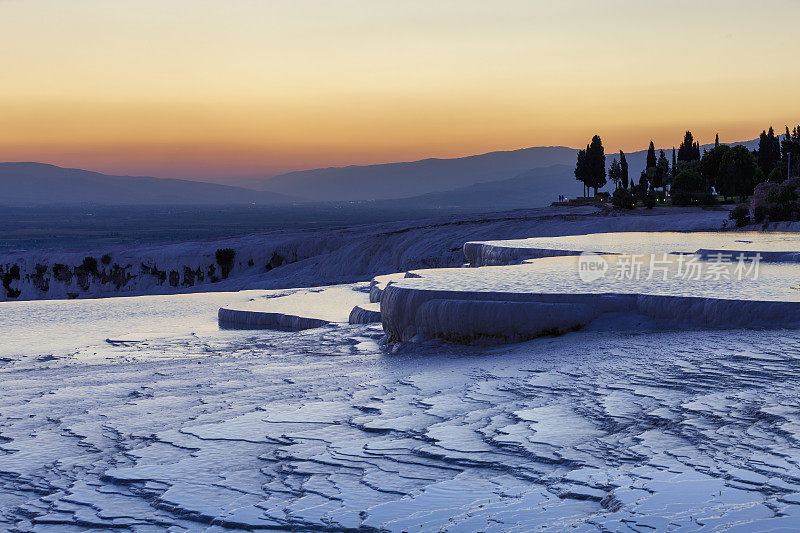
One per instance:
[(214, 88)]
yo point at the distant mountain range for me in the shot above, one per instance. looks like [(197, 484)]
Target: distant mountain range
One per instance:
[(418, 178), (399, 180), (40, 184), (535, 188), (519, 178)]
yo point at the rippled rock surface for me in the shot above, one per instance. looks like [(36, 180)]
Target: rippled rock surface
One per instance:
[(323, 430)]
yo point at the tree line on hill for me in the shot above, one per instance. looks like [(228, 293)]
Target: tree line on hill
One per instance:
[(692, 178)]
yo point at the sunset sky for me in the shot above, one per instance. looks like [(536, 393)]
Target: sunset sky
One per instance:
[(216, 88)]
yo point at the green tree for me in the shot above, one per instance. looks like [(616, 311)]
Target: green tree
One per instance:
[(623, 198), (661, 173), (596, 164), (615, 173), (225, 257), (650, 176), (769, 151), (674, 171), (582, 170), (709, 165), (791, 151), (651, 156), (689, 150), (738, 173), (782, 201), (688, 188), (89, 265), (776, 176), (624, 164), (740, 214)]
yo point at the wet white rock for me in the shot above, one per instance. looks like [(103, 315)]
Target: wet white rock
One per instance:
[(547, 295), (365, 314)]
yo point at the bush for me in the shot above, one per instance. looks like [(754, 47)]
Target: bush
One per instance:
[(782, 203), (639, 190), (623, 199), (106, 259), (741, 215), (62, 272), (776, 176), (688, 188), (760, 213), (225, 257), (8, 277), (649, 200), (89, 265)]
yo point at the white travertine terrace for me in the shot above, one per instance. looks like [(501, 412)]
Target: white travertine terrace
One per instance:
[(365, 314), (777, 246), (516, 302)]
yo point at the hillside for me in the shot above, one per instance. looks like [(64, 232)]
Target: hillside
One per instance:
[(401, 180), (41, 184), (534, 188), (497, 180), (447, 176)]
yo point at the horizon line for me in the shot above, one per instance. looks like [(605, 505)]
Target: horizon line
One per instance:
[(352, 165)]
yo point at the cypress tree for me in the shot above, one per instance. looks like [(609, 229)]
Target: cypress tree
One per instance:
[(596, 164), (689, 150), (615, 173), (674, 164), (581, 170), (651, 156), (643, 181), (662, 171), (624, 165), (716, 141), (791, 151), (709, 167), (769, 151)]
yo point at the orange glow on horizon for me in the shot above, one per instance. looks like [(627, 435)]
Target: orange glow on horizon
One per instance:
[(259, 88)]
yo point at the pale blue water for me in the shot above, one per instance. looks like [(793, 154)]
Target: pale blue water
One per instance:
[(661, 242), (773, 282)]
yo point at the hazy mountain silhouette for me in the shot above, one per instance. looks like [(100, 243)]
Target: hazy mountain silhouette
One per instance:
[(527, 177), (534, 188), (418, 178), (39, 184), (399, 180)]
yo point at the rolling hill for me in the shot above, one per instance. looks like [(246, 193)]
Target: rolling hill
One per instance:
[(42, 184), (401, 180), (526, 178), (534, 188), (420, 178)]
